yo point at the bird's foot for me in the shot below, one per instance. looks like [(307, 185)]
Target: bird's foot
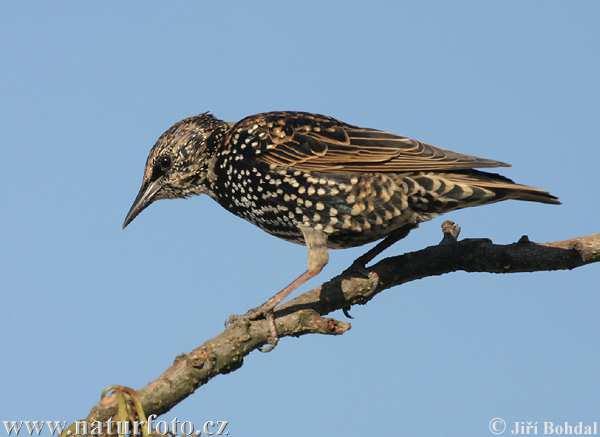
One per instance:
[(346, 311), (257, 313), (264, 311), (260, 312), (273, 338), (357, 268)]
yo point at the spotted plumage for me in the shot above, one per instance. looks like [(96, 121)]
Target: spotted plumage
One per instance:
[(301, 177)]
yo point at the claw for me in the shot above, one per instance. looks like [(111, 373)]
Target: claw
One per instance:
[(346, 311), (356, 269), (273, 337), (256, 314)]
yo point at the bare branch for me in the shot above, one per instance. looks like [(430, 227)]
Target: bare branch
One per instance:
[(304, 315)]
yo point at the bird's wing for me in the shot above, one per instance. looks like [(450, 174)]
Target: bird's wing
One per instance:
[(312, 142)]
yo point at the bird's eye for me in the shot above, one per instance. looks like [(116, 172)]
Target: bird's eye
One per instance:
[(164, 163)]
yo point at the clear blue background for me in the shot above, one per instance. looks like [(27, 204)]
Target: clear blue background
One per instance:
[(86, 87)]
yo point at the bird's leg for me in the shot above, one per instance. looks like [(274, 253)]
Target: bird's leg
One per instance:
[(269, 305), (318, 256), (359, 265)]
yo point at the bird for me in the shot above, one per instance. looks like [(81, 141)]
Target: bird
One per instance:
[(314, 180)]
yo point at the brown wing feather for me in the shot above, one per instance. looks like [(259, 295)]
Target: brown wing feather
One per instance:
[(313, 142)]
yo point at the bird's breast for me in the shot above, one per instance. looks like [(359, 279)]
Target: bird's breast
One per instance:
[(352, 209)]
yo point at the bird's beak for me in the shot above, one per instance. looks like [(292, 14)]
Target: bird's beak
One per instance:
[(145, 197)]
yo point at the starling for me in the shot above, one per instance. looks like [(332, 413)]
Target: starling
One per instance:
[(314, 180)]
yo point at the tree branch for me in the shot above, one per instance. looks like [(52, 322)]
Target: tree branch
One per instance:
[(304, 314)]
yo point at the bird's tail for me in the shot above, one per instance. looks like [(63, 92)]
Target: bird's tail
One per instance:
[(503, 187)]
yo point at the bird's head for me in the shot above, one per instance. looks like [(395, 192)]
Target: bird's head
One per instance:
[(178, 164)]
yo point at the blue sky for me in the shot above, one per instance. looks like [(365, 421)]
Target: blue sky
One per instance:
[(87, 87)]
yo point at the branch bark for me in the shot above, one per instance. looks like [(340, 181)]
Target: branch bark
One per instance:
[(225, 352)]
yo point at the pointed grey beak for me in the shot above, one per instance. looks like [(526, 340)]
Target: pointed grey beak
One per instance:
[(145, 197)]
